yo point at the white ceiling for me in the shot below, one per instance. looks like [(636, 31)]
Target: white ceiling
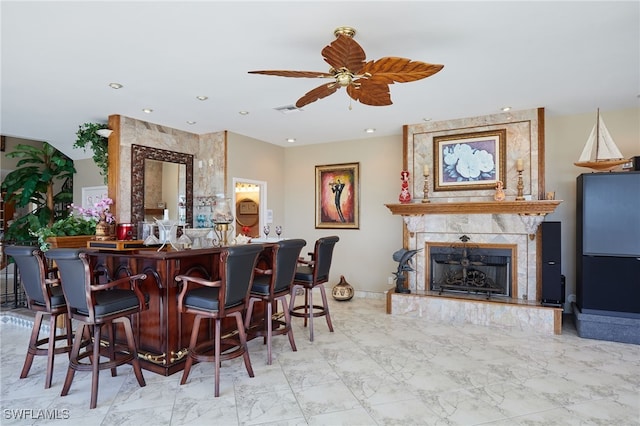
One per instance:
[(59, 57)]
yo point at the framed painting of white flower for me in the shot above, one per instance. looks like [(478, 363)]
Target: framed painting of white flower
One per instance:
[(469, 161)]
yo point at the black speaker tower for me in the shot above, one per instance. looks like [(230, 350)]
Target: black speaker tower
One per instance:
[(553, 283)]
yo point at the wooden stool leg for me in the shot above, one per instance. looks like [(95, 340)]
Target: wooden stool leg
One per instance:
[(309, 292), (287, 321), (192, 344), (73, 359), (112, 347), (243, 343), (307, 307), (33, 344), (95, 364), (326, 307), (247, 319), (51, 350), (269, 324), (292, 297), (132, 349), (217, 358), (69, 330)]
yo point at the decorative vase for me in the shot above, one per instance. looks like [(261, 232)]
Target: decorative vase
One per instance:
[(405, 195), (103, 229), (342, 291)]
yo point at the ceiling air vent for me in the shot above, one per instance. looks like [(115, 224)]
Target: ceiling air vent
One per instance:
[(288, 109)]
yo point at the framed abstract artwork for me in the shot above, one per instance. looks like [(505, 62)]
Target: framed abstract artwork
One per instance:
[(338, 196), (469, 161)]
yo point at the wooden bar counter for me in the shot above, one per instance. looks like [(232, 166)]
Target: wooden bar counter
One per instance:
[(161, 332)]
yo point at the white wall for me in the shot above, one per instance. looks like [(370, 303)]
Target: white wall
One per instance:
[(252, 159), (362, 255), (87, 174)]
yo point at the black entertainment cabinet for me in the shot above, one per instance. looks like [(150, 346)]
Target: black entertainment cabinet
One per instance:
[(608, 256)]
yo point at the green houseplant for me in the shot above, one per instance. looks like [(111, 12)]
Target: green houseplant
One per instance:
[(81, 222), (71, 226), (31, 185), (87, 137)]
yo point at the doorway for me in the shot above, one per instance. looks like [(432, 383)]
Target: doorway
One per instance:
[(249, 206)]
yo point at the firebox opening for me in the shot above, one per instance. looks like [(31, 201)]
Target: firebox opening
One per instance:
[(471, 269)]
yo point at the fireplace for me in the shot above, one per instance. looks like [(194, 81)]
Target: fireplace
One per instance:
[(460, 268), (437, 222), (506, 225)]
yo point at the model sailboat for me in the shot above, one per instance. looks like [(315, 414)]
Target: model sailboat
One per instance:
[(607, 155)]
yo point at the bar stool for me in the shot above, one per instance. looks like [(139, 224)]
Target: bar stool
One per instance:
[(274, 285), (94, 306), (310, 275), (44, 296), (216, 300)]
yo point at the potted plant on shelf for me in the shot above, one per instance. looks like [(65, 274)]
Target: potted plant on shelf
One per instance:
[(72, 231), (88, 137), (80, 226)]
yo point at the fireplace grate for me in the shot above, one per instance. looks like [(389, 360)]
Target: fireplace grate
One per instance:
[(471, 270)]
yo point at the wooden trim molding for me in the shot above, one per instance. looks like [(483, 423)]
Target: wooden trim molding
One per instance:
[(534, 207)]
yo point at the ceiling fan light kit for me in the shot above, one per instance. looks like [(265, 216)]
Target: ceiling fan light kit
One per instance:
[(365, 82)]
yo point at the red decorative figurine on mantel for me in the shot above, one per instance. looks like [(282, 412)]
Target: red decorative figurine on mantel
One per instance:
[(405, 195)]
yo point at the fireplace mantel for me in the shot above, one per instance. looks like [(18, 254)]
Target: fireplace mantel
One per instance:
[(535, 207)]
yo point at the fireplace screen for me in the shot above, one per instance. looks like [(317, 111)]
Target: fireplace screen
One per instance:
[(471, 269)]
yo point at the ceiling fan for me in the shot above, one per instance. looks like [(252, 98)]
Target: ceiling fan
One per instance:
[(366, 82)]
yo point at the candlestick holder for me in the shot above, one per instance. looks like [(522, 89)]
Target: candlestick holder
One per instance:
[(425, 190), (520, 196), (222, 231)]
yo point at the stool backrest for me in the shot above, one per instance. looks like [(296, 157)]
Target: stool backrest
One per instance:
[(33, 271), (285, 262), (322, 256), (74, 275), (238, 263)]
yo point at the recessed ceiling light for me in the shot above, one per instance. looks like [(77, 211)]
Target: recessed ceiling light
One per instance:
[(505, 109), (243, 112), (191, 122), (202, 98), (370, 130), (147, 110), (426, 119), (291, 140), (115, 85)]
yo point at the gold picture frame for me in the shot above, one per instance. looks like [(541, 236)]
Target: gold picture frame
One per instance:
[(338, 196), (469, 161)]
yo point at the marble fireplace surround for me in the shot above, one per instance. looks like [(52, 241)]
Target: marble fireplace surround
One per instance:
[(511, 223), (497, 223)]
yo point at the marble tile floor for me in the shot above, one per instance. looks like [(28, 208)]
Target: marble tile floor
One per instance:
[(375, 369)]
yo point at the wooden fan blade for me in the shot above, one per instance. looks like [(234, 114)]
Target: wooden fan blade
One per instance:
[(370, 91), (344, 52), (317, 93), (399, 70), (285, 73)]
